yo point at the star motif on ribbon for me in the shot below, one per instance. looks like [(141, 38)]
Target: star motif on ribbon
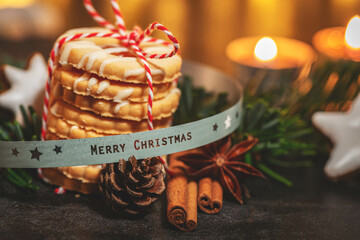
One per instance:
[(215, 127), (57, 149), (15, 152), (227, 122), (36, 154)]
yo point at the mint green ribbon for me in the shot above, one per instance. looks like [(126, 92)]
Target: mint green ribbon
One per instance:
[(90, 151)]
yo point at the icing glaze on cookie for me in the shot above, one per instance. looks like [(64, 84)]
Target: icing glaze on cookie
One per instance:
[(105, 63), (119, 105), (102, 86), (91, 57), (139, 71), (74, 127), (91, 83), (67, 77), (84, 77), (75, 44), (108, 58), (123, 94)]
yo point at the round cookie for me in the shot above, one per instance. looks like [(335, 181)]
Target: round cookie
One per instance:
[(76, 178), (107, 58), (84, 83), (55, 176), (52, 136), (86, 174), (122, 109), (91, 121), (60, 129)]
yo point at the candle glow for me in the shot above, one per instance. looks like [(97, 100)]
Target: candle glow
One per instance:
[(15, 4), (273, 52), (340, 42), (352, 33), (265, 49)]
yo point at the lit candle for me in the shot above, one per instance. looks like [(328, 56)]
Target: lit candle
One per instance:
[(265, 50), (270, 64), (352, 38), (340, 42), (270, 52)]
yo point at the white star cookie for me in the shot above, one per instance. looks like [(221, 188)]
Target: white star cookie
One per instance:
[(344, 131), (26, 86)]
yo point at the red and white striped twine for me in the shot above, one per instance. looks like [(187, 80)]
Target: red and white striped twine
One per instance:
[(131, 40), (59, 191)]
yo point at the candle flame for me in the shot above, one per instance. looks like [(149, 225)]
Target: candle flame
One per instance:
[(265, 49), (352, 33)]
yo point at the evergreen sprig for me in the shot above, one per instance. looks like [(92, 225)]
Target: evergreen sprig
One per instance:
[(14, 131), (29, 131), (197, 103), (333, 82), (280, 134), (283, 138)]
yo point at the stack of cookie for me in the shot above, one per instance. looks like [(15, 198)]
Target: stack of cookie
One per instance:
[(98, 89)]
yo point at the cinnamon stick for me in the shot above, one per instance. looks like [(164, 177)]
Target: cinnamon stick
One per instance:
[(210, 195), (181, 197)]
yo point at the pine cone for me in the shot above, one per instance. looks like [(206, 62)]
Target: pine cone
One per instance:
[(131, 186)]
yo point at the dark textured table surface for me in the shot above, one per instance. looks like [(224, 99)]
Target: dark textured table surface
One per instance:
[(313, 209)]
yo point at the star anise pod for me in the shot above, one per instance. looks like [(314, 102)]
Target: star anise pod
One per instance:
[(221, 161)]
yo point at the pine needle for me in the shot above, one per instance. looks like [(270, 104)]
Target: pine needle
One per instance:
[(13, 131), (274, 175), (279, 133)]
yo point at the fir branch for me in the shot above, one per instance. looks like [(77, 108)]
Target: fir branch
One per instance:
[(13, 131), (198, 102), (333, 82), (265, 169), (20, 178), (281, 135)]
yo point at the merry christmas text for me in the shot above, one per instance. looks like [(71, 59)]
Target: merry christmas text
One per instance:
[(140, 144)]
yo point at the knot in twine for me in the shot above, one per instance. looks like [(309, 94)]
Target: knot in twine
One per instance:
[(130, 40)]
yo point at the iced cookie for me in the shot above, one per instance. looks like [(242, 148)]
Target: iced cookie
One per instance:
[(86, 174), (106, 58), (84, 83), (60, 129), (122, 109), (91, 121), (56, 177)]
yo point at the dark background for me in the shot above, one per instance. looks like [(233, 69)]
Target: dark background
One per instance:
[(313, 208), (203, 27)]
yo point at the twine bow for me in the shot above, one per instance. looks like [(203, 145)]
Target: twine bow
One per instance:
[(131, 40)]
